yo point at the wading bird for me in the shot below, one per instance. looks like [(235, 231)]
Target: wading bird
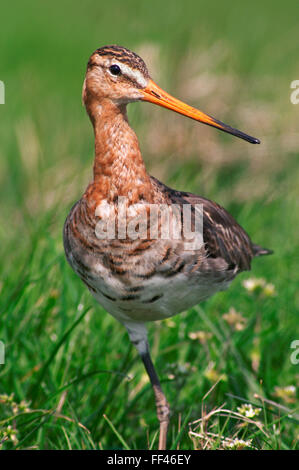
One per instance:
[(144, 278)]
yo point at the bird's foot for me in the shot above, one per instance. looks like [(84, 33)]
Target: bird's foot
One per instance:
[(163, 413)]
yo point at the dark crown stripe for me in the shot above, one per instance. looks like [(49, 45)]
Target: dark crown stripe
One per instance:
[(124, 55)]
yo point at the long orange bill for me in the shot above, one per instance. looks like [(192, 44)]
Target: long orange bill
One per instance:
[(154, 94)]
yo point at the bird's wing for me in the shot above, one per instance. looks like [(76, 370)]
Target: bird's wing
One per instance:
[(223, 237)]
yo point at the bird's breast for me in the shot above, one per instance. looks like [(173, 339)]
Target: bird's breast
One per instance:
[(138, 279)]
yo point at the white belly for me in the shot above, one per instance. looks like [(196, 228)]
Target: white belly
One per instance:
[(159, 298)]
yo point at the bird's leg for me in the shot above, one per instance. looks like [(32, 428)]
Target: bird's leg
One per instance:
[(138, 336), (162, 405)]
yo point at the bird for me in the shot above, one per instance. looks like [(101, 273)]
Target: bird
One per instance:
[(111, 238)]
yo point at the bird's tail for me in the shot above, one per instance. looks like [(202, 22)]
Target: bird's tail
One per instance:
[(259, 251)]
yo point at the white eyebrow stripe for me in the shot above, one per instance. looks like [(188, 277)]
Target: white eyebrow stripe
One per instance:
[(134, 74)]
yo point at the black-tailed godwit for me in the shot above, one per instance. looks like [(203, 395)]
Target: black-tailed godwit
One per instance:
[(132, 269)]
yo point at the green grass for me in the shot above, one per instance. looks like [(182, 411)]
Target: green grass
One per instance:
[(71, 379)]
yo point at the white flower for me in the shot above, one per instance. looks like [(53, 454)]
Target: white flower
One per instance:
[(237, 444), (248, 411)]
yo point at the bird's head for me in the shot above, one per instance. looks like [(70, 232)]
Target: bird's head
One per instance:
[(117, 74)]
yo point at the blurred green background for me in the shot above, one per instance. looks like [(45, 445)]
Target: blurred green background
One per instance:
[(65, 381)]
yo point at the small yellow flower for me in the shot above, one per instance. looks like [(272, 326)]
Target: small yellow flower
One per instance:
[(269, 290), (7, 399), (235, 319), (213, 375), (252, 284), (248, 411), (202, 336), (259, 286), (237, 444), (287, 394), (10, 434), (24, 406), (170, 323)]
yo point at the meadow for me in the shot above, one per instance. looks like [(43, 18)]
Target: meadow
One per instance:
[(71, 379)]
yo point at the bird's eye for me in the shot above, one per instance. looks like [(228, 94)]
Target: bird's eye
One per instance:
[(115, 69)]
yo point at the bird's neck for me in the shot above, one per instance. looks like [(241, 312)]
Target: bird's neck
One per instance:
[(118, 168)]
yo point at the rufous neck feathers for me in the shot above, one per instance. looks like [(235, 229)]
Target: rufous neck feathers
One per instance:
[(118, 168)]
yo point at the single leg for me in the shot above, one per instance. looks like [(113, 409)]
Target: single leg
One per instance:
[(138, 336), (162, 405)]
